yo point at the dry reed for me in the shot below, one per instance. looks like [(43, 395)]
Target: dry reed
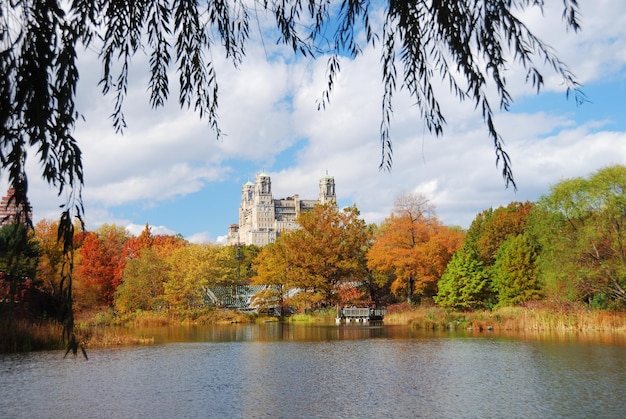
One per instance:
[(22, 335), (515, 319)]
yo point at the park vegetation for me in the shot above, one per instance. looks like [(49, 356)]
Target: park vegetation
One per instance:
[(554, 263)]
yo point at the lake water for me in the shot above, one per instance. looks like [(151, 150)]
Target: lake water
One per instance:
[(323, 371)]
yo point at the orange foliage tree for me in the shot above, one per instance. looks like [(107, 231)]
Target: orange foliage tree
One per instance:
[(134, 245), (413, 247), (492, 227), (99, 267), (325, 255)]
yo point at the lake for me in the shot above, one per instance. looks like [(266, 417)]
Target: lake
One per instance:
[(323, 371)]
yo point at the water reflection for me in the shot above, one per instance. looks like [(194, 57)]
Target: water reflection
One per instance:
[(273, 332), (280, 332), (294, 371)]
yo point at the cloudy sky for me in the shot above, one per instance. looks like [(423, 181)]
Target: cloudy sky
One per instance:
[(168, 169)]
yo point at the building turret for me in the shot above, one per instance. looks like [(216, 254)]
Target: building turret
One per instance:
[(327, 189)]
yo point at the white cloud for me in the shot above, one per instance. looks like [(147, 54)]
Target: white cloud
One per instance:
[(137, 229), (266, 107), (202, 237)]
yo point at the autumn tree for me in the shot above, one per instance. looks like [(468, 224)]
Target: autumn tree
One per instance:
[(238, 259), (325, 254), (49, 285), (145, 270), (271, 267), (165, 244), (143, 284), (133, 246), (413, 247), (491, 228), (100, 261), (51, 258), (193, 269), (581, 228)]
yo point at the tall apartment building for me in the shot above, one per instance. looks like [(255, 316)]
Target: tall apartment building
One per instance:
[(263, 218), (9, 211)]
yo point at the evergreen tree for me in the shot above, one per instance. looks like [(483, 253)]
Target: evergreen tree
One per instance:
[(464, 284), (515, 273)]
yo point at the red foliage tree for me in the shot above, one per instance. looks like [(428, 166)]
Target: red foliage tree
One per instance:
[(99, 267)]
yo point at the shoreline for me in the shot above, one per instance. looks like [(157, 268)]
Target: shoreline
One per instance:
[(102, 329)]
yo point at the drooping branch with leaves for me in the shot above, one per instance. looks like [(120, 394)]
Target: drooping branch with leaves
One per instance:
[(467, 43)]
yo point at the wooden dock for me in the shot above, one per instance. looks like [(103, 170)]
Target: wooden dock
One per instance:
[(360, 314)]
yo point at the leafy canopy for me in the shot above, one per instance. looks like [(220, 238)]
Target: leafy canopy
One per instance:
[(581, 227), (515, 273), (464, 284)]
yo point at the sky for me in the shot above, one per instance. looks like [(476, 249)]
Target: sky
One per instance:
[(168, 169)]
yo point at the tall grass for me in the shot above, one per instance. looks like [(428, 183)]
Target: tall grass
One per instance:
[(318, 316), (107, 336), (105, 328), (21, 336), (513, 319)]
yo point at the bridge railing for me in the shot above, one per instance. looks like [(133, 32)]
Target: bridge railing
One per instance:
[(362, 313), (355, 312)]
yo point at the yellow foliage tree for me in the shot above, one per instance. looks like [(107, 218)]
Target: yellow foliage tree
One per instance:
[(50, 258), (193, 269), (271, 270)]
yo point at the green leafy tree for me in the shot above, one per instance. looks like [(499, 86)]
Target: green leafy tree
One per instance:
[(515, 274), (19, 255), (581, 228), (464, 284)]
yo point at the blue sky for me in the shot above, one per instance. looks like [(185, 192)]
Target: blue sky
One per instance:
[(168, 170)]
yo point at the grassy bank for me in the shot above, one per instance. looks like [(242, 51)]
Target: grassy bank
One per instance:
[(104, 328), (22, 336), (510, 319)]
